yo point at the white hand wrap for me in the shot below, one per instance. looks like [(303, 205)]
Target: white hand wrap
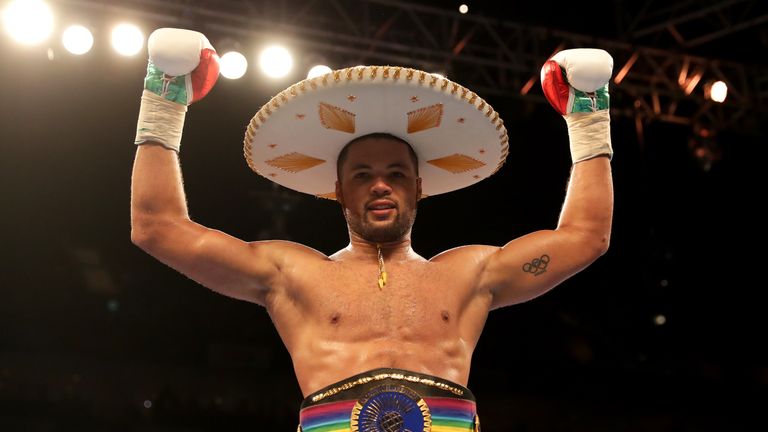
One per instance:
[(589, 134), (161, 121)]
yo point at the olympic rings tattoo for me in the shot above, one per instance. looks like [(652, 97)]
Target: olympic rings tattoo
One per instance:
[(537, 266)]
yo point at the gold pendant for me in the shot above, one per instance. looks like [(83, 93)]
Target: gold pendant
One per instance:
[(382, 279), (382, 272)]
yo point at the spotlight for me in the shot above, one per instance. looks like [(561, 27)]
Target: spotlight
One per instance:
[(276, 61), (318, 70), (463, 8), (127, 39), (77, 39), (28, 21), (716, 91), (233, 65)]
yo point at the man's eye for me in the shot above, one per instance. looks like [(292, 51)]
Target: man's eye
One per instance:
[(397, 174), (360, 175)]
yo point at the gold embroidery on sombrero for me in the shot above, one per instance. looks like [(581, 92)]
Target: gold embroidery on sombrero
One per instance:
[(333, 117), (457, 163), (294, 162), (404, 83), (425, 118), (329, 195)]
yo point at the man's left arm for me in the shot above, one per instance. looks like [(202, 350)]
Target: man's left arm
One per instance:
[(576, 85), (535, 263)]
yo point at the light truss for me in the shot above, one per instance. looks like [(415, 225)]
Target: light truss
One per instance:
[(497, 58), (688, 24)]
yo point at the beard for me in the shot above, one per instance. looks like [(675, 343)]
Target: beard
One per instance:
[(381, 232)]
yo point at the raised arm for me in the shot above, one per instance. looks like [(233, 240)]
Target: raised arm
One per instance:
[(533, 264), (160, 223)]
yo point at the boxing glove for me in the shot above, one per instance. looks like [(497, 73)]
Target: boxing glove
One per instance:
[(182, 68), (575, 82)]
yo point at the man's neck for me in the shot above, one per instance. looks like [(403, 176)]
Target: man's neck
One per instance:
[(397, 251)]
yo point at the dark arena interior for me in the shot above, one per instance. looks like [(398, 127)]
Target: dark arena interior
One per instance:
[(666, 332)]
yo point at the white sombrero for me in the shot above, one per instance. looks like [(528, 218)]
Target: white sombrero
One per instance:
[(295, 139)]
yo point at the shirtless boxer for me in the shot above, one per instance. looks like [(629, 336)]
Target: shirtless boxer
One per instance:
[(381, 338)]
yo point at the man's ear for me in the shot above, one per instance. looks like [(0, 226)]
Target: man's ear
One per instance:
[(339, 196), (418, 189)]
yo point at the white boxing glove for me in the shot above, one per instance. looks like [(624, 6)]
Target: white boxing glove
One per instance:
[(575, 82), (182, 69)]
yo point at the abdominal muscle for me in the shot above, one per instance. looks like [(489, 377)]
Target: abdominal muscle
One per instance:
[(320, 363), (337, 323)]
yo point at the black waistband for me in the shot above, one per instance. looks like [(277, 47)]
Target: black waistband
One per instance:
[(356, 386)]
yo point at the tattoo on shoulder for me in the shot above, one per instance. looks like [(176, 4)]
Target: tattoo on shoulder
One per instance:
[(537, 266)]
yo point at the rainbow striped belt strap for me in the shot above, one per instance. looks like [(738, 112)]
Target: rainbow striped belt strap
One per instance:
[(390, 400)]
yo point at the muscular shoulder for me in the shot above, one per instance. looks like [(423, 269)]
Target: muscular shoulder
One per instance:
[(466, 255), (283, 251)]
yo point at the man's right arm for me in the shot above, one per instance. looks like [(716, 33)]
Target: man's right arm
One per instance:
[(160, 225), (182, 68)]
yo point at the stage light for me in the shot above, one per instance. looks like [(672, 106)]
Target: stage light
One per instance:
[(463, 8), (659, 320), (276, 61), (318, 70), (716, 91), (77, 39), (704, 146), (28, 21), (233, 65), (127, 39)]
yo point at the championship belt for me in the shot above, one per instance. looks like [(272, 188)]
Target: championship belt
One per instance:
[(390, 400)]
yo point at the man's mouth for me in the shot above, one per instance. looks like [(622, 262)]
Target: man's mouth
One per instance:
[(381, 208)]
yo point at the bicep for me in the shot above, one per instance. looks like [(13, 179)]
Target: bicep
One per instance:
[(214, 259), (531, 265)]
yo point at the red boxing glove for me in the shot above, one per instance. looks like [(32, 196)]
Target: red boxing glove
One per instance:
[(183, 66), (576, 80)]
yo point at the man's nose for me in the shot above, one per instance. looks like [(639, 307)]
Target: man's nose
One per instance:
[(381, 187)]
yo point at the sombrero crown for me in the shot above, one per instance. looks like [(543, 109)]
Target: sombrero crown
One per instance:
[(295, 139)]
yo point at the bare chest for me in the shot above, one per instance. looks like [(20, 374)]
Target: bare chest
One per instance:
[(418, 298)]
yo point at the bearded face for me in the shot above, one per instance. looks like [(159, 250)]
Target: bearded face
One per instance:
[(377, 226), (378, 188)]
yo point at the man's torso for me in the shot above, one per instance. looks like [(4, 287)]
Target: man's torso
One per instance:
[(336, 321)]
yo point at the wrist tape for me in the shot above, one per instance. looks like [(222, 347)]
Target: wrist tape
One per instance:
[(160, 120), (590, 134)]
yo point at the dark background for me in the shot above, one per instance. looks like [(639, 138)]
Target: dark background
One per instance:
[(92, 329)]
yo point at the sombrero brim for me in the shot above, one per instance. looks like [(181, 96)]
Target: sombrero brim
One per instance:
[(295, 139)]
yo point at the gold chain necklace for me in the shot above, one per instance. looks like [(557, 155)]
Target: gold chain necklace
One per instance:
[(382, 271)]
